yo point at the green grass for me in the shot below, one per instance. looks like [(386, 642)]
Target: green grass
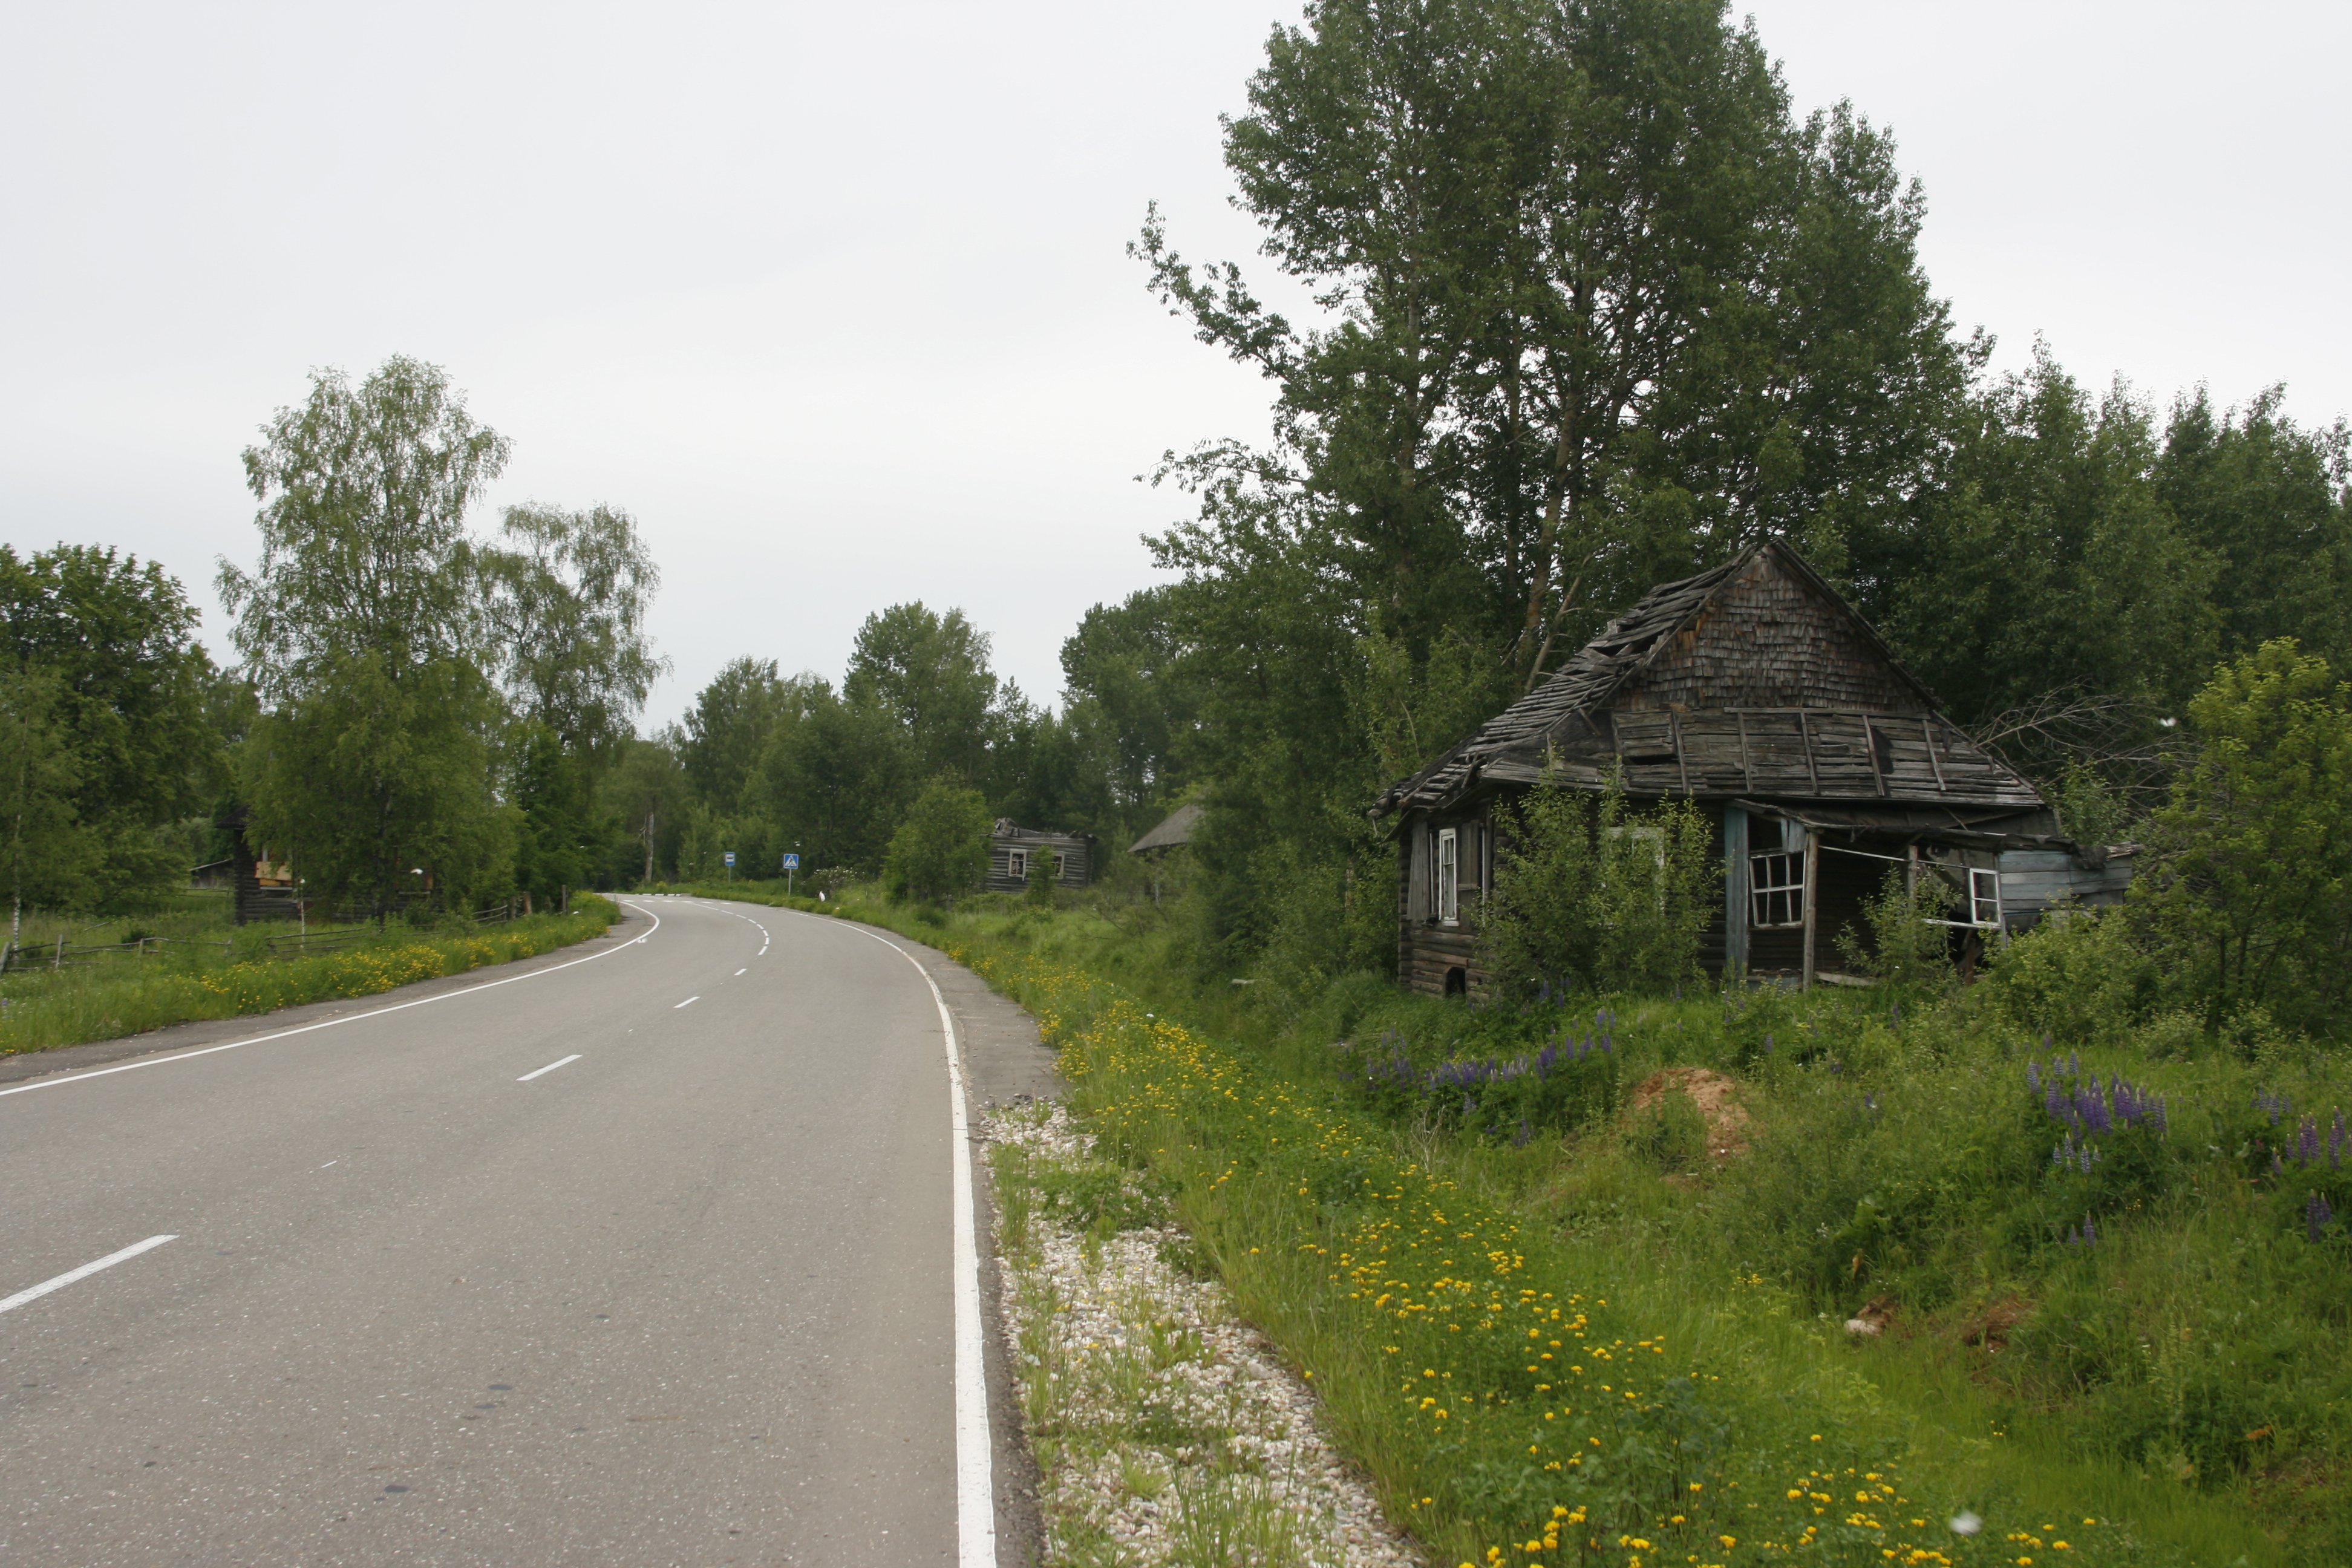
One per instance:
[(224, 972), (2185, 1379)]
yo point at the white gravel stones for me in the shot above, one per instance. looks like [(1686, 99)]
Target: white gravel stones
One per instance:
[(1166, 1431)]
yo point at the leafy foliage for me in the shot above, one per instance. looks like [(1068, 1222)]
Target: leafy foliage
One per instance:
[(942, 847), (1593, 894), (2252, 905)]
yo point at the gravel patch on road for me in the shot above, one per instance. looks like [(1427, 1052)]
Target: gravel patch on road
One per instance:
[(1166, 1431)]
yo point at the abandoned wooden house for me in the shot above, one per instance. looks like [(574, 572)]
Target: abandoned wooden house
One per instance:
[(1758, 692), (1013, 849)]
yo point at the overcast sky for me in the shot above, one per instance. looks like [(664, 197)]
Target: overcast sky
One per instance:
[(834, 297)]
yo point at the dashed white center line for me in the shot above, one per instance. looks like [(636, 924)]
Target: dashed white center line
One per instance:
[(84, 1272), (742, 972), (548, 1067), (687, 1002)]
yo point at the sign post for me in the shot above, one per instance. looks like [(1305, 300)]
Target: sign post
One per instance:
[(792, 864), (730, 865)]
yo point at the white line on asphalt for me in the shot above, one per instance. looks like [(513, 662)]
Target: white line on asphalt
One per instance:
[(329, 1023), (84, 1272), (742, 972), (975, 1484), (687, 1002), (548, 1067), (331, 1162)]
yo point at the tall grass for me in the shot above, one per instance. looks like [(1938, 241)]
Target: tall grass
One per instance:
[(183, 983), (2180, 1373)]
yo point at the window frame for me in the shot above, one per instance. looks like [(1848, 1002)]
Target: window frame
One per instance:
[(1016, 864), (1976, 900), (1789, 886), (1447, 874)]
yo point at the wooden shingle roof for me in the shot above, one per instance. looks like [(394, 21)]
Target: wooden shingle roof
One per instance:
[(1753, 680)]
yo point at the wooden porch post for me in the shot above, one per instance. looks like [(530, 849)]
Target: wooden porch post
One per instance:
[(1812, 897), (1734, 892)]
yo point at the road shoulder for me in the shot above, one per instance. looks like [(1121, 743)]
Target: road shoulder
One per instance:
[(1005, 1059)]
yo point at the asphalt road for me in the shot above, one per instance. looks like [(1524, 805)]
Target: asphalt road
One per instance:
[(689, 1297)]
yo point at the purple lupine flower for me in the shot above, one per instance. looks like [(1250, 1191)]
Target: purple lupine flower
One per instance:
[(2307, 1144), (1768, 1042), (2032, 1076), (2086, 1158), (2159, 1116), (1524, 1133), (2336, 1144), (2045, 1045), (2315, 1215), (2277, 1168), (2073, 1063), (2090, 1232), (1895, 1015)]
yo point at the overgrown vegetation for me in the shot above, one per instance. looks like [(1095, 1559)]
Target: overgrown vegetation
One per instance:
[(2109, 1261)]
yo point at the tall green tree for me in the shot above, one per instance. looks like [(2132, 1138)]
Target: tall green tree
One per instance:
[(113, 643), (1131, 692), (2251, 901), (2267, 498), (929, 674), (49, 860), (2046, 556), (376, 764), (732, 724), (568, 593), (942, 847), (1597, 309), (380, 789)]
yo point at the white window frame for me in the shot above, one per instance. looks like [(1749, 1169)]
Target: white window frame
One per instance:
[(1016, 864), (1777, 874), (1449, 876), (1061, 865), (1982, 899)]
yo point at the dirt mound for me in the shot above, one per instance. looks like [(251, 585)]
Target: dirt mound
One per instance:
[(1990, 1328), (1717, 1097)]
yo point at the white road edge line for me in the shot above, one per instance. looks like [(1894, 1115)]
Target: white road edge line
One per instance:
[(975, 1483), (687, 1002), (742, 972), (330, 1023), (84, 1272), (548, 1067)]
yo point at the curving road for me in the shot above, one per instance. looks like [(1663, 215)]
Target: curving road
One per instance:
[(643, 1253)]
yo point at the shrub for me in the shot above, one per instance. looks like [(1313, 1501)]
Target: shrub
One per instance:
[(942, 847), (1904, 948), (2076, 977), (1592, 893), (2252, 902)]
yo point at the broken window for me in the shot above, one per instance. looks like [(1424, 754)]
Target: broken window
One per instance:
[(1980, 900), (1017, 865)]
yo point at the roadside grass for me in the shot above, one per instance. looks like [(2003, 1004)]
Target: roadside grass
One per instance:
[(2181, 1375), (226, 973)]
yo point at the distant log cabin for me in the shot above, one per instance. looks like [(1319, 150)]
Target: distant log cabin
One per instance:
[(1756, 691), (1012, 848)]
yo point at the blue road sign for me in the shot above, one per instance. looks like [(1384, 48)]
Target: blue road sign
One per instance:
[(791, 862), (731, 857)]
